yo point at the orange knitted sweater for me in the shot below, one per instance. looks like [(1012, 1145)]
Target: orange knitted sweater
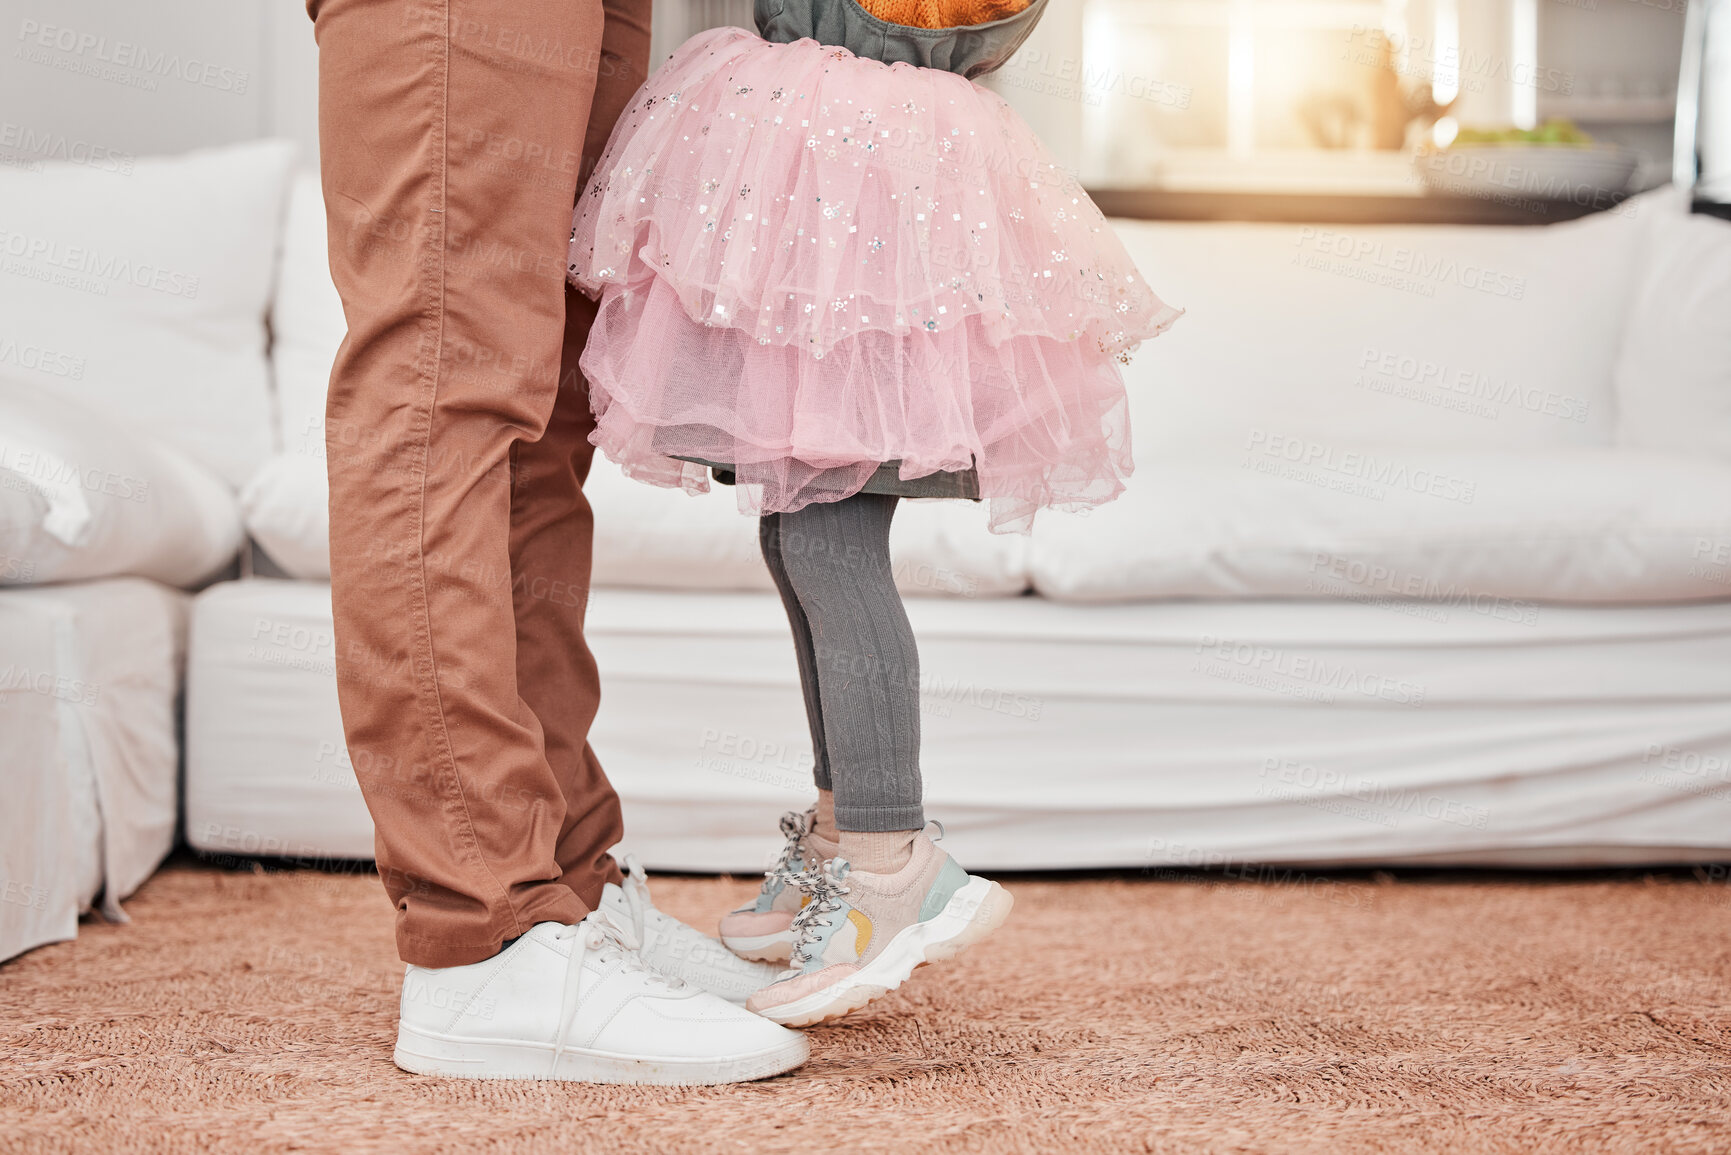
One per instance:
[(943, 13)]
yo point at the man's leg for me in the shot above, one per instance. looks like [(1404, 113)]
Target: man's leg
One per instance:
[(552, 528), (452, 136)]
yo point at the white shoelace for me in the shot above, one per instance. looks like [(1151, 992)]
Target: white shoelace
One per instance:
[(794, 827), (636, 891), (644, 912), (825, 886), (598, 933)]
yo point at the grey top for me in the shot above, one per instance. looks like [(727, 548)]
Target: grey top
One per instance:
[(972, 50)]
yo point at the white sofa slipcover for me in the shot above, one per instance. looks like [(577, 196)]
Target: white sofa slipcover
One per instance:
[(134, 396), (1063, 736), (89, 684), (1344, 663), (141, 295)]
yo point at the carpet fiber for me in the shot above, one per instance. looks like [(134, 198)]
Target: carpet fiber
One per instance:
[(255, 1012)]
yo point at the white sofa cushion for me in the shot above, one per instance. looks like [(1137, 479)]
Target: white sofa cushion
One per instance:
[(1564, 525), (286, 507), (1475, 338), (1673, 375), (662, 539), (143, 295), (86, 496), (307, 324)]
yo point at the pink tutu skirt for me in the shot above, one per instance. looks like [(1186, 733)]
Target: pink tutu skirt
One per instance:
[(810, 263)]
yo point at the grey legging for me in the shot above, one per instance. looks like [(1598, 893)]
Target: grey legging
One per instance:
[(857, 662)]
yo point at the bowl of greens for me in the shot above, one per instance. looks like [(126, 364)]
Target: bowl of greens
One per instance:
[(1556, 161)]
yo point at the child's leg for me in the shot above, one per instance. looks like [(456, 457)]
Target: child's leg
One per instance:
[(860, 669), (857, 930), (769, 540)]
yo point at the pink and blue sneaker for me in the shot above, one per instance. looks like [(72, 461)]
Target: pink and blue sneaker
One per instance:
[(853, 936), (762, 929)]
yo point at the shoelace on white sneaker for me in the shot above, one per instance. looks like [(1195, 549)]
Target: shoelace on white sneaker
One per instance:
[(636, 892), (601, 934), (644, 912), (825, 886)]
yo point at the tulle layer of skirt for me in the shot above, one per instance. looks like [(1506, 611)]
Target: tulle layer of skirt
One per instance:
[(1042, 421), (802, 195), (809, 264)]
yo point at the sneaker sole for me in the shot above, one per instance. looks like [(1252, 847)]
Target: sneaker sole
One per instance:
[(972, 913), (776, 947), (426, 1053)]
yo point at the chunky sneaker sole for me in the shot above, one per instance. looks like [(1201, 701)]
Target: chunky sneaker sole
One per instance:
[(426, 1053), (973, 912)]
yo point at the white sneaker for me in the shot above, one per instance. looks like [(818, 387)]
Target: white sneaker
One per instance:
[(677, 950), (617, 1021)]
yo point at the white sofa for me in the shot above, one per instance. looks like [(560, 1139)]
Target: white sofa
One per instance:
[(134, 397), (1427, 559), (1414, 570)]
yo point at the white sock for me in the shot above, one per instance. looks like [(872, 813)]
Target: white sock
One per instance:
[(878, 852), (823, 835)]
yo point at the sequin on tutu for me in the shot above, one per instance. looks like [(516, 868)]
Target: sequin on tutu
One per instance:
[(809, 263)]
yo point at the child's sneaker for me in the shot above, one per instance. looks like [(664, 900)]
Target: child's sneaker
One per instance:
[(861, 935), (763, 928)]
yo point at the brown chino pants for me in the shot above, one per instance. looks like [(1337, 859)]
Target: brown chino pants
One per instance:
[(454, 136)]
